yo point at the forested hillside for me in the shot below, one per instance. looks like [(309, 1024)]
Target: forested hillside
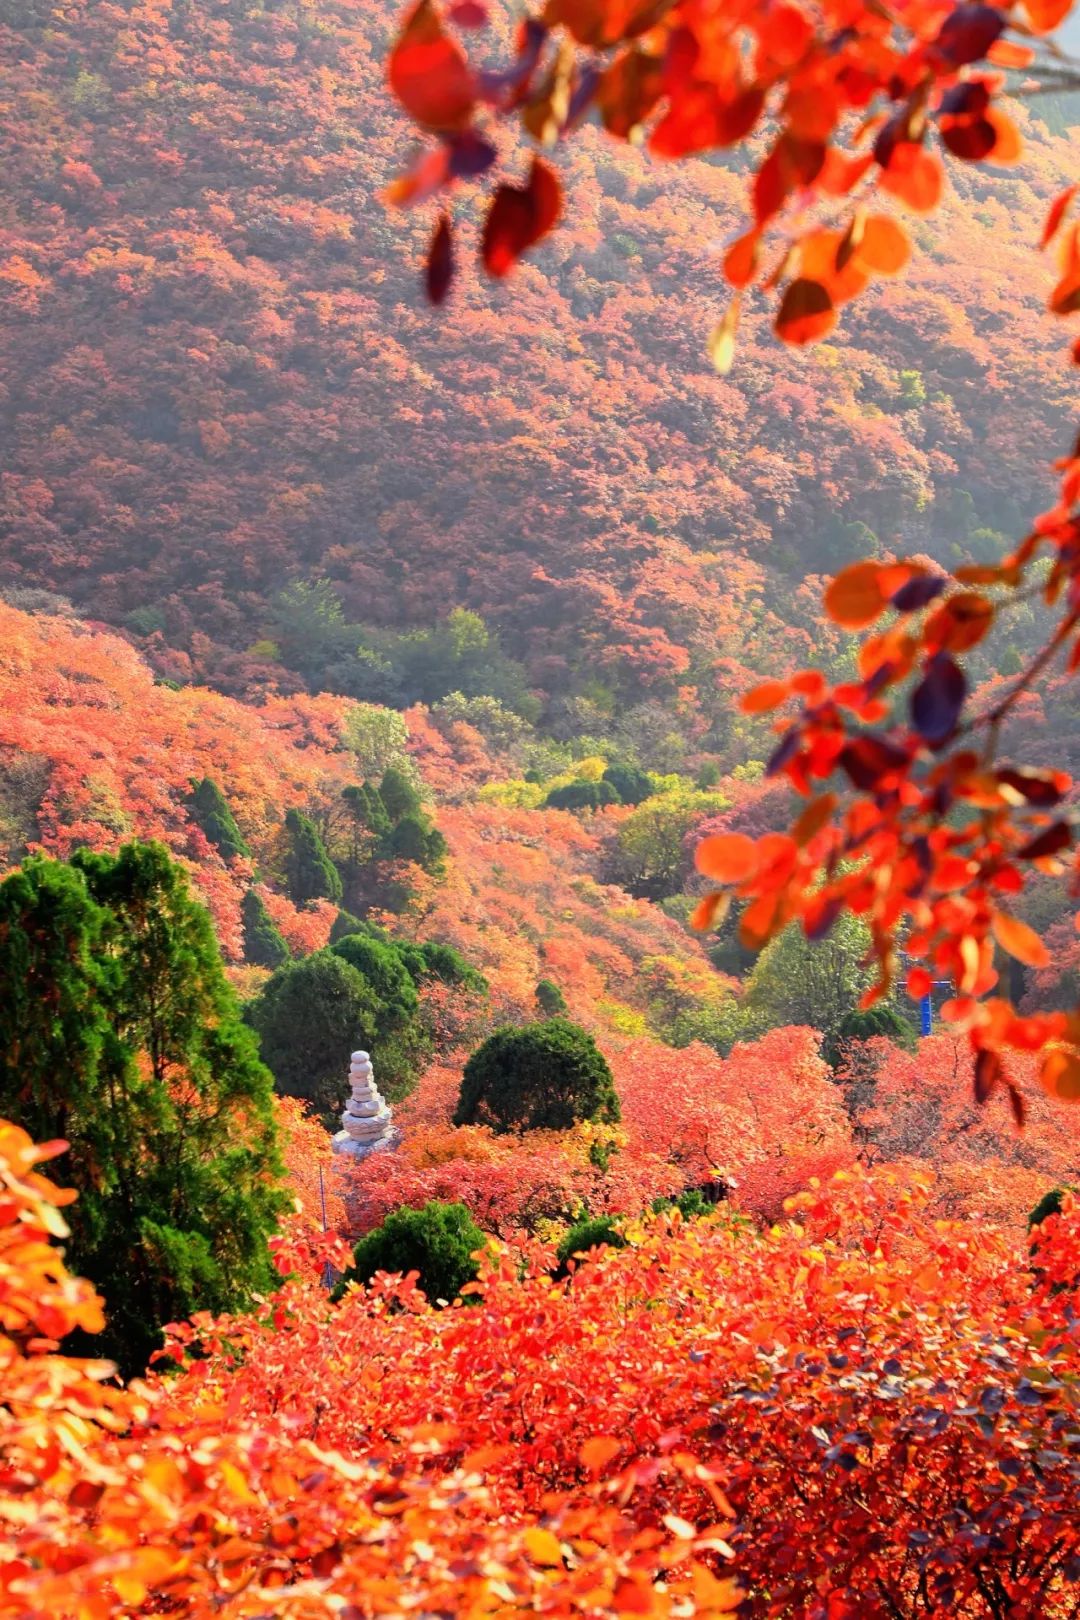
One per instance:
[(538, 850), (217, 378)]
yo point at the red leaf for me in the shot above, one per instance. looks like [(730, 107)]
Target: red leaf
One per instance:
[(429, 74), (439, 271), (968, 33), (727, 857), (469, 14), (1050, 842), (969, 139), (869, 759), (519, 217), (700, 119), (806, 312), (988, 1073), (1058, 209)]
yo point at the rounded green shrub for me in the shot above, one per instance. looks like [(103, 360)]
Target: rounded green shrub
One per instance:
[(587, 1234), (1049, 1204), (550, 999), (630, 782), (440, 1241), (581, 795), (543, 1076)]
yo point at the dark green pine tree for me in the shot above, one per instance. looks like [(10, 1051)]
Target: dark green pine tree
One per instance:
[(210, 812), (120, 1033), (398, 795), (263, 944), (415, 838), (310, 874)]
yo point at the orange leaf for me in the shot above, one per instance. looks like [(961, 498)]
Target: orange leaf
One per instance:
[(1046, 14), (806, 313), (855, 597), (429, 74), (914, 176), (1058, 209), (710, 911), (727, 857), (1009, 53), (1019, 940), (1060, 1075), (597, 1452), (765, 696), (632, 1597), (1008, 148), (884, 246), (713, 1595), (741, 259), (542, 1546)]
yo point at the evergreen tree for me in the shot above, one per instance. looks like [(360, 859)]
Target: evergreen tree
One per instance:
[(345, 923), (309, 1017), (382, 966), (263, 944), (310, 874), (544, 1076), (120, 1033), (630, 782), (398, 795), (210, 812), (550, 999), (375, 811), (440, 1241), (414, 838)]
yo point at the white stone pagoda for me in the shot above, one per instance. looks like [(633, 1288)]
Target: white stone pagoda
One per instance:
[(367, 1125)]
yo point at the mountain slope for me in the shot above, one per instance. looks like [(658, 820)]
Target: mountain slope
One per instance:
[(217, 374)]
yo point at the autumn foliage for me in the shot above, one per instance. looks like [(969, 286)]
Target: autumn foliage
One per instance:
[(858, 1412)]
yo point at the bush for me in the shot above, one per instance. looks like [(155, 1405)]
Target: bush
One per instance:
[(550, 999), (545, 1076), (440, 1241), (381, 964), (630, 782), (345, 923), (443, 962), (691, 1204), (1049, 1204), (263, 943), (585, 1235), (210, 812), (310, 1016), (581, 795)]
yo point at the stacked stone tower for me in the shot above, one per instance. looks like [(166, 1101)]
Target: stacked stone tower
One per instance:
[(367, 1125)]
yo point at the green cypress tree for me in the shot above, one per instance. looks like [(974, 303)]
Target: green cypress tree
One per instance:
[(123, 1035), (210, 812), (398, 794), (375, 810), (543, 1076), (309, 1017), (310, 874), (263, 943)]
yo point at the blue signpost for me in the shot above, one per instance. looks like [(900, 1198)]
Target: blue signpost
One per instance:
[(926, 1012)]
